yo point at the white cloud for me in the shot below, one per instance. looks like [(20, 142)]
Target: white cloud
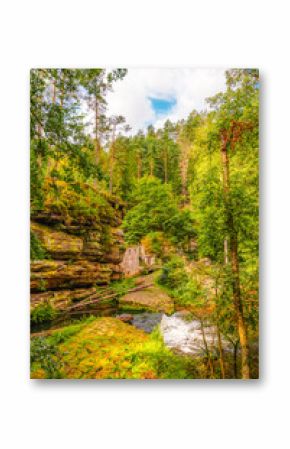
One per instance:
[(190, 88)]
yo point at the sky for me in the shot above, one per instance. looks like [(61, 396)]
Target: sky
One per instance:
[(151, 96)]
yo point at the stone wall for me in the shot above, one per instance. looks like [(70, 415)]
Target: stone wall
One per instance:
[(135, 259)]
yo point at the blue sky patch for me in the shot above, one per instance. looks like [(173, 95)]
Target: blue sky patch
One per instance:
[(161, 106)]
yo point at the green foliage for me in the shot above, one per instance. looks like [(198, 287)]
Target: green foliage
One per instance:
[(154, 243), (58, 129), (154, 209), (42, 313), (37, 251), (180, 227), (121, 287), (163, 362), (173, 274), (209, 210), (61, 336), (44, 355), (37, 153), (181, 284)]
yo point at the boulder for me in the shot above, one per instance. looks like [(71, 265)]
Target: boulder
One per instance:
[(125, 317), (148, 299)]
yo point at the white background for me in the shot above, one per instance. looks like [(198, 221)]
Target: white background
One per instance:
[(161, 414)]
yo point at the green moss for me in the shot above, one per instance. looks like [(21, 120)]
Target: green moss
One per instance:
[(42, 313), (60, 336), (54, 241), (173, 273), (45, 357), (42, 285), (135, 308), (106, 348), (37, 251)]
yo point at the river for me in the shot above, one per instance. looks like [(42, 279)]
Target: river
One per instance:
[(180, 332)]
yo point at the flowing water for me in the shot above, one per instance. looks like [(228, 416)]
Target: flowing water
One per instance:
[(146, 321), (185, 335), (179, 332)]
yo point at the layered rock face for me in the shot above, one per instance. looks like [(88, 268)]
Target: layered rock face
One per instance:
[(81, 254)]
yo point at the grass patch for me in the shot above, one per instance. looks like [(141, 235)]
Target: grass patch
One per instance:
[(123, 286), (134, 308), (106, 348)]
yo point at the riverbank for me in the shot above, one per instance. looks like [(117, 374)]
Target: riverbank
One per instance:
[(107, 348)]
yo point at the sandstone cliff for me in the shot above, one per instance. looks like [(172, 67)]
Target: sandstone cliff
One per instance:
[(80, 254)]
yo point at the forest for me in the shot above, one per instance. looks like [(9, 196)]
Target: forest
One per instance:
[(144, 246)]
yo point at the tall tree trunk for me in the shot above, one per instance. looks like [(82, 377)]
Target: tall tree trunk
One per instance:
[(97, 143), (62, 87), (165, 165), (235, 354), (183, 166), (151, 165), (209, 361), (233, 244), (112, 159), (53, 99), (226, 251), (139, 164), (221, 352), (53, 93)]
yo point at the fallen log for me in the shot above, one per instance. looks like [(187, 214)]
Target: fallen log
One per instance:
[(96, 298)]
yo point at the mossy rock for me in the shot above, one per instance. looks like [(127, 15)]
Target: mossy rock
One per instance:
[(151, 299), (58, 244), (56, 275), (107, 348)]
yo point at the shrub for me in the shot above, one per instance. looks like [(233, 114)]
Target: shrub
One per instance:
[(154, 243), (173, 274), (121, 287), (45, 355), (42, 313)]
